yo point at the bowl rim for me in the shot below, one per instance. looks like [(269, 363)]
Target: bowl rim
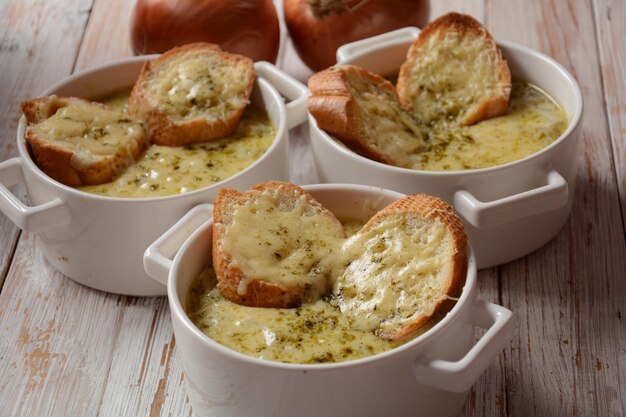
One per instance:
[(178, 312), (510, 47), (280, 136)]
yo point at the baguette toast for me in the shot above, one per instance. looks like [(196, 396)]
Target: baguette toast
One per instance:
[(77, 142), (455, 70), (402, 266), (362, 110), (193, 93), (272, 245)]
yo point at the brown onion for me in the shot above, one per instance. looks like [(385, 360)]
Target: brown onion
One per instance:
[(246, 27), (318, 27)]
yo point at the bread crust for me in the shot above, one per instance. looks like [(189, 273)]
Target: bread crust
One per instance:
[(167, 130), (429, 208), (337, 112), (258, 293), (489, 107), (65, 165)]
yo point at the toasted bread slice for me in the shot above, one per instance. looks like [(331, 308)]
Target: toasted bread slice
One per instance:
[(455, 70), (361, 109), (401, 266), (272, 245), (193, 93), (77, 142)]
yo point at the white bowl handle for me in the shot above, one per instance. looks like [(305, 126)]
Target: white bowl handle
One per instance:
[(459, 376), (288, 87), (348, 50), (543, 199), (31, 219), (157, 259)]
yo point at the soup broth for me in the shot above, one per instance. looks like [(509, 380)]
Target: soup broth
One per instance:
[(317, 332), (534, 121), (167, 170)]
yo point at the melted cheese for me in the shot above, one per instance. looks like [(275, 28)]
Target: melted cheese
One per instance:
[(118, 100), (167, 170), (391, 270), (90, 131), (195, 84), (286, 244), (351, 226)]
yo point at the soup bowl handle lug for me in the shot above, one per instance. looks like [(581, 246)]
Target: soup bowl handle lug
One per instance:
[(459, 376), (349, 50), (157, 259), (31, 219), (551, 196), (290, 88)]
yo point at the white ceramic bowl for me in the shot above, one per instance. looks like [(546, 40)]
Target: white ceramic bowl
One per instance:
[(428, 376), (99, 241), (509, 210)]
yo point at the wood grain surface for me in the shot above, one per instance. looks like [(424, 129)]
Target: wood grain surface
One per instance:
[(610, 24), (68, 350), (566, 358), (107, 36)]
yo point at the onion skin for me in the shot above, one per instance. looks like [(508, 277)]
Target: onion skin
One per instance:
[(245, 27), (317, 34)]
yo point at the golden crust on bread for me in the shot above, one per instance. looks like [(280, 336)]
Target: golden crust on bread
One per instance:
[(362, 110), (258, 293), (454, 69), (398, 305), (193, 93), (248, 288), (65, 154)]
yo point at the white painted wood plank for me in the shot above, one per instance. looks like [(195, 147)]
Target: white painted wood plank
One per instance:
[(107, 37), (146, 377), (56, 339), (567, 357), (474, 8), (610, 23), (8, 241)]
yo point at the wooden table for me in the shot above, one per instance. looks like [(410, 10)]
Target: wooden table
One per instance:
[(67, 350)]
